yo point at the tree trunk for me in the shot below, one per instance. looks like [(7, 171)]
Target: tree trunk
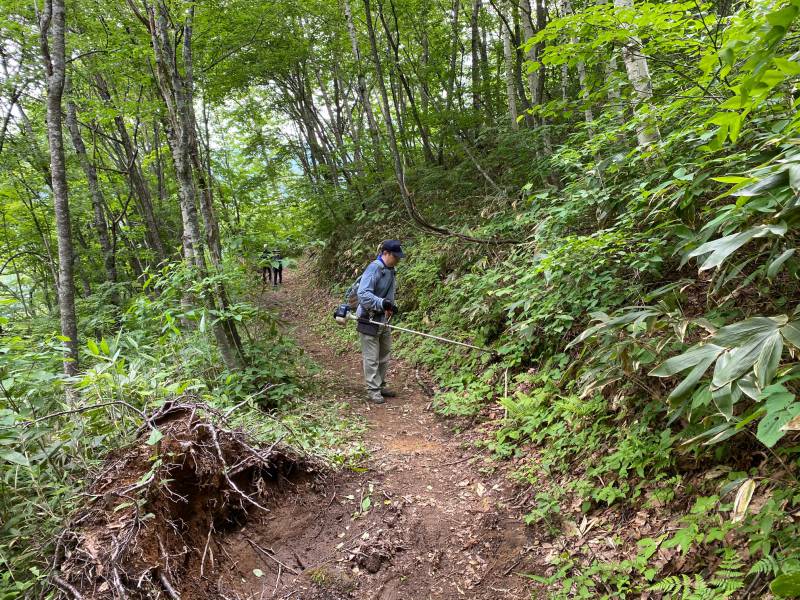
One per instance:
[(520, 59), (477, 103), (180, 133), (357, 126), (363, 95), (98, 203), (612, 84), (581, 68), (639, 77), (541, 23), (159, 167), (132, 167), (511, 93), (528, 32), (487, 88), (426, 57), (451, 81), (587, 107), (53, 20)]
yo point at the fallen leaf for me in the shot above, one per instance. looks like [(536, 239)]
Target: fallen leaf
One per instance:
[(742, 501), (793, 425)]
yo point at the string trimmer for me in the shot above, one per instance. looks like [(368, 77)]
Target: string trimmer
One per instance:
[(349, 316)]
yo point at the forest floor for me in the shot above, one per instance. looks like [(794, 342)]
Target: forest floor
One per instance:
[(417, 520)]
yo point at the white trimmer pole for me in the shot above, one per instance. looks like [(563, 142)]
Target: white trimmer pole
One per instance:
[(427, 335)]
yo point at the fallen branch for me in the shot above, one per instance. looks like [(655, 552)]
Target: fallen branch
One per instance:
[(232, 410), (269, 555), (81, 409), (67, 587), (171, 592)]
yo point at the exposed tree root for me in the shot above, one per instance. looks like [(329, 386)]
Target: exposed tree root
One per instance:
[(147, 529)]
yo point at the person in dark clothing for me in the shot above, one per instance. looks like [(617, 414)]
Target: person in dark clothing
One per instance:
[(277, 268), (376, 291), (265, 262)]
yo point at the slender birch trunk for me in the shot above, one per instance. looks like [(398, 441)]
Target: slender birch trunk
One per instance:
[(639, 77), (475, 68), (511, 93), (53, 23)]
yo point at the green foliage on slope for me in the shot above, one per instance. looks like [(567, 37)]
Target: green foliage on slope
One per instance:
[(647, 316)]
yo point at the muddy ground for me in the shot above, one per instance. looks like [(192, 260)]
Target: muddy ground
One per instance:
[(419, 522)]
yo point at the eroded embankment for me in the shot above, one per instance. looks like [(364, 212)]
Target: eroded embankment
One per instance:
[(153, 512)]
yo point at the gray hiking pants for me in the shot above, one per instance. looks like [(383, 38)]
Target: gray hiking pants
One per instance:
[(376, 350)]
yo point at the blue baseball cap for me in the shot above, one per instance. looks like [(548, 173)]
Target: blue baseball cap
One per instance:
[(393, 246)]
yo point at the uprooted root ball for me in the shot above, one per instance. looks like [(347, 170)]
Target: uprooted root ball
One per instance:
[(153, 511)]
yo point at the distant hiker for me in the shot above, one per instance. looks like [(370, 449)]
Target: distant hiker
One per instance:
[(277, 267), (376, 303), (266, 265)]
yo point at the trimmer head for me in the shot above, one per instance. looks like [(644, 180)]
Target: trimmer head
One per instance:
[(340, 314)]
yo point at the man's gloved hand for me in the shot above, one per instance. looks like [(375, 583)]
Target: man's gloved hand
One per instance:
[(389, 308), (395, 309)]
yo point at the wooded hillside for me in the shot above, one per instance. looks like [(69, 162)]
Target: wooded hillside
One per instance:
[(604, 193)]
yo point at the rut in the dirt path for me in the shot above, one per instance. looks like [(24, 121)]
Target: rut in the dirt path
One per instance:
[(420, 522)]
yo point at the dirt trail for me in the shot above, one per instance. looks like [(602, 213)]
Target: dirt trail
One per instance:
[(432, 527)]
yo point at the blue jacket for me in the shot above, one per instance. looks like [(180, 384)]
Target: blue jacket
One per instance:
[(377, 283)]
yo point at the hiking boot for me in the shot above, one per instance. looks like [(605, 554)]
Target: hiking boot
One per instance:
[(388, 393), (376, 399)]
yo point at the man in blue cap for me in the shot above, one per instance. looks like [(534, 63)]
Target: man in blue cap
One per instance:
[(376, 304)]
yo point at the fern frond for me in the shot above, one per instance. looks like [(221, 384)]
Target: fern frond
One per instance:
[(767, 565)]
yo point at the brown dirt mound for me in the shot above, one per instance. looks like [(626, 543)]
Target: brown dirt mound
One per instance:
[(153, 512)]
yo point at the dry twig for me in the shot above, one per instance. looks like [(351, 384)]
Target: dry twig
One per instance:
[(271, 556)]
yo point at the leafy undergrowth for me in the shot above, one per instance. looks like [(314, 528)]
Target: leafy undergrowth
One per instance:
[(624, 509)]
